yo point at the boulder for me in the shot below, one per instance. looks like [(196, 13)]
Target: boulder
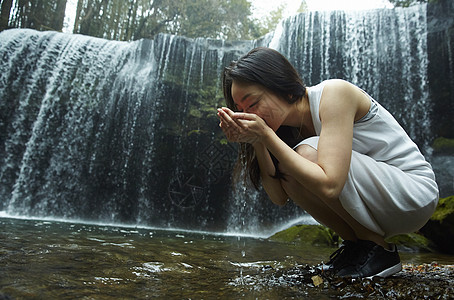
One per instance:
[(440, 228), (319, 235), (411, 242), (315, 235), (443, 145)]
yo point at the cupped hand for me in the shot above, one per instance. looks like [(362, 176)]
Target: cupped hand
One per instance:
[(242, 127)]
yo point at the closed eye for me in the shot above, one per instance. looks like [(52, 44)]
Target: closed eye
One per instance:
[(255, 103)]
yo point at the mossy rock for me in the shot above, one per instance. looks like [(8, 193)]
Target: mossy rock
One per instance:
[(411, 242), (315, 235), (443, 145), (440, 228)]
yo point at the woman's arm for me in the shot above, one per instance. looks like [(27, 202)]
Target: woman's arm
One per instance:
[(271, 185), (235, 133), (339, 107), (338, 110)]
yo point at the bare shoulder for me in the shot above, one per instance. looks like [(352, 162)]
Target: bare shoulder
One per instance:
[(340, 87), (340, 95)]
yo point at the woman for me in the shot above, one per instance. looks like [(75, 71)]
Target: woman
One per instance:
[(353, 168)]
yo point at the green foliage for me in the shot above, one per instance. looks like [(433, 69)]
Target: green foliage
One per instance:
[(269, 23), (440, 228), (127, 20), (445, 207), (40, 15), (408, 3), (137, 19), (227, 19)]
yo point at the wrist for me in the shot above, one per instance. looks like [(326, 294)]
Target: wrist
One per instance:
[(259, 139), (269, 133)]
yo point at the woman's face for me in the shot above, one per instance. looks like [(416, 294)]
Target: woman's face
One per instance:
[(256, 99)]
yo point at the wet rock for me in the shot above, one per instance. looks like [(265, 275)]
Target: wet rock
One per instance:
[(440, 228), (443, 145), (427, 281), (316, 235), (4, 297), (411, 242)]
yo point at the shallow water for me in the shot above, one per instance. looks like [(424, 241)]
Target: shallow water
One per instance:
[(57, 260)]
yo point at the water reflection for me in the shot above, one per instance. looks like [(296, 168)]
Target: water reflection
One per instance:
[(54, 260)]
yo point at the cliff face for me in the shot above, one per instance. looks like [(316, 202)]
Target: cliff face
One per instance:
[(127, 132), (440, 49)]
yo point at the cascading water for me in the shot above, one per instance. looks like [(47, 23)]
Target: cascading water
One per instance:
[(127, 132), (382, 51)]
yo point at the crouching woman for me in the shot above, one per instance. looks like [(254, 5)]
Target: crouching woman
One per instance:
[(334, 151)]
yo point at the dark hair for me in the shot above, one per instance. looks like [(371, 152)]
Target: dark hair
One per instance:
[(270, 69)]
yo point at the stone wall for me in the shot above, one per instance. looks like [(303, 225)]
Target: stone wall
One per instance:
[(440, 40)]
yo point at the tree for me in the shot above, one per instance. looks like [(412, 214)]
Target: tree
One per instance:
[(4, 14), (406, 3), (227, 19), (127, 20), (161, 16), (238, 23), (270, 22), (303, 7), (40, 15), (136, 19)]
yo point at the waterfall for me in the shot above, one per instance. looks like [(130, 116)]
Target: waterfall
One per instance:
[(126, 132), (382, 51)]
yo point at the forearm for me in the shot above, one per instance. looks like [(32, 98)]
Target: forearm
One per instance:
[(271, 185), (309, 174)]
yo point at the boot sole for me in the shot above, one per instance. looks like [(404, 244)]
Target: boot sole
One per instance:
[(388, 272)]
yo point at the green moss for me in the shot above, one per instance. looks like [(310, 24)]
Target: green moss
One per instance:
[(443, 145), (316, 235), (411, 242), (444, 208), (195, 112), (440, 228), (195, 131), (223, 141)]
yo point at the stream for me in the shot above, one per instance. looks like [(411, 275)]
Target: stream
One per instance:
[(44, 259)]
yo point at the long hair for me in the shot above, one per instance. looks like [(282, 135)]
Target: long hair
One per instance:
[(270, 69)]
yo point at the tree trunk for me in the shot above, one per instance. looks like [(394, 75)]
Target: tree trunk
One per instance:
[(59, 16), (4, 14), (77, 19)]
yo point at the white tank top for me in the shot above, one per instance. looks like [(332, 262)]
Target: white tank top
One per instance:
[(380, 137)]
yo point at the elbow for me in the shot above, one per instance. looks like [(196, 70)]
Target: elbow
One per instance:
[(331, 191), (280, 201), (278, 197)]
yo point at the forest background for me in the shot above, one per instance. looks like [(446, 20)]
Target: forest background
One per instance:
[(128, 20)]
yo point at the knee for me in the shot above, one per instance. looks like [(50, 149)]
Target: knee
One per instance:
[(290, 185), (307, 152)]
